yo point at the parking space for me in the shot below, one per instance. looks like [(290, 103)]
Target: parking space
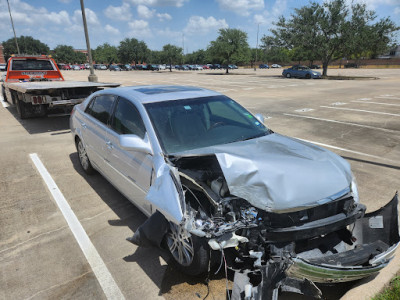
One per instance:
[(41, 259)]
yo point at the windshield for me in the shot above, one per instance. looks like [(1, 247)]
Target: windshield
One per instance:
[(188, 124)]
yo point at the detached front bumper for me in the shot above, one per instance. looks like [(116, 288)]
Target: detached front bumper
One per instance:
[(377, 235)]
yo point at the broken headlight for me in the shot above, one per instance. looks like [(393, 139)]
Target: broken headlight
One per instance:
[(354, 189)]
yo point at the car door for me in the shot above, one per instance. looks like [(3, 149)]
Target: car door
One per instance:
[(132, 170), (94, 131)]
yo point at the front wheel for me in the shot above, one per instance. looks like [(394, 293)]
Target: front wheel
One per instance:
[(308, 76), (190, 254)]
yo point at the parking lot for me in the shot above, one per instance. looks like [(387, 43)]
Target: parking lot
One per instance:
[(40, 256)]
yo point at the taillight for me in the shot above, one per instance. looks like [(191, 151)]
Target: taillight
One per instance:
[(39, 99), (34, 100)]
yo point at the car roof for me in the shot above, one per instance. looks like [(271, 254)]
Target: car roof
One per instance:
[(157, 93)]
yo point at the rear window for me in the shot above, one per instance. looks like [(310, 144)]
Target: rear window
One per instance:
[(31, 65)]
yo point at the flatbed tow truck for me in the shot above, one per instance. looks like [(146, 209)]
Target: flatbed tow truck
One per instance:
[(35, 85)]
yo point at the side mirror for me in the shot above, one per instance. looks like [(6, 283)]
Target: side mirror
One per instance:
[(260, 118), (135, 143)]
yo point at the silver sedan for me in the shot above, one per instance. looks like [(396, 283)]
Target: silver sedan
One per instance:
[(220, 187)]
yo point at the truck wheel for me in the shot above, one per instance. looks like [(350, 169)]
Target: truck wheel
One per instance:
[(21, 109), (190, 254), (83, 158)]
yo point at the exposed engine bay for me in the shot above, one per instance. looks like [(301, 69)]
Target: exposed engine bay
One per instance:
[(288, 250)]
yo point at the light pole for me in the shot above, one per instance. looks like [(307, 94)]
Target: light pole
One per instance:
[(255, 62), (12, 24), (92, 77)]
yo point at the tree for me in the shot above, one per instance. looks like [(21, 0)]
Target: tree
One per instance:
[(132, 50), (273, 51), (172, 54), (64, 54), (105, 54), (27, 45), (332, 30), (230, 47)]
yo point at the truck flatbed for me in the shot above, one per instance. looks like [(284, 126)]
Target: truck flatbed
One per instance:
[(26, 87)]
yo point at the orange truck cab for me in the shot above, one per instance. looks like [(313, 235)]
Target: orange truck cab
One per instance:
[(32, 68)]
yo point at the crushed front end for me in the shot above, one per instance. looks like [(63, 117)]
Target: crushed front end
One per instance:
[(288, 250)]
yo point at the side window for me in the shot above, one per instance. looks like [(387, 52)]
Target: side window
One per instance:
[(127, 119), (101, 108)]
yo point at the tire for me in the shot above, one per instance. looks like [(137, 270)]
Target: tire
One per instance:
[(308, 76), (288, 75), (21, 109), (189, 254), (83, 158)]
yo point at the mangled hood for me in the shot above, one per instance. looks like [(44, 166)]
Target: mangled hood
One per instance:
[(277, 173)]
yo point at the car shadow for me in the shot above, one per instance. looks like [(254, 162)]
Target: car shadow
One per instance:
[(52, 123), (163, 276)]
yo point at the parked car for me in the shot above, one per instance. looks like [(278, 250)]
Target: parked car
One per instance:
[(233, 66), (219, 186), (114, 68), (263, 66), (299, 71), (3, 67), (315, 67), (215, 67), (75, 67), (276, 66), (125, 67)]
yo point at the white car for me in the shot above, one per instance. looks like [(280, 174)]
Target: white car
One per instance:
[(220, 187)]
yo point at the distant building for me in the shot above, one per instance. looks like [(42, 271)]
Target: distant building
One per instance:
[(2, 59)]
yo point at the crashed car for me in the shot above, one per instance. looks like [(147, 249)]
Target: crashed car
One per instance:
[(220, 187)]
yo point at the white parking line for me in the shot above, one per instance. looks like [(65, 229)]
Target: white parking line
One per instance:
[(346, 150), (106, 281), (389, 104), (5, 104), (345, 123), (362, 110)]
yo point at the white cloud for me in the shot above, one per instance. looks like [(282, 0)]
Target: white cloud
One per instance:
[(269, 16), (144, 12), (118, 13), (201, 25), (64, 1), (374, 4), (241, 7), (91, 17), (112, 30), (397, 10), (164, 17), (177, 3), (139, 29)]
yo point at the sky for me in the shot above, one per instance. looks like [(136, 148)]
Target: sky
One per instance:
[(190, 24)]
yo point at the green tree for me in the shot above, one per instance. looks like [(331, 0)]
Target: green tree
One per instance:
[(273, 51), (172, 54), (64, 54), (132, 50), (332, 30), (27, 45), (106, 54), (230, 47)]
